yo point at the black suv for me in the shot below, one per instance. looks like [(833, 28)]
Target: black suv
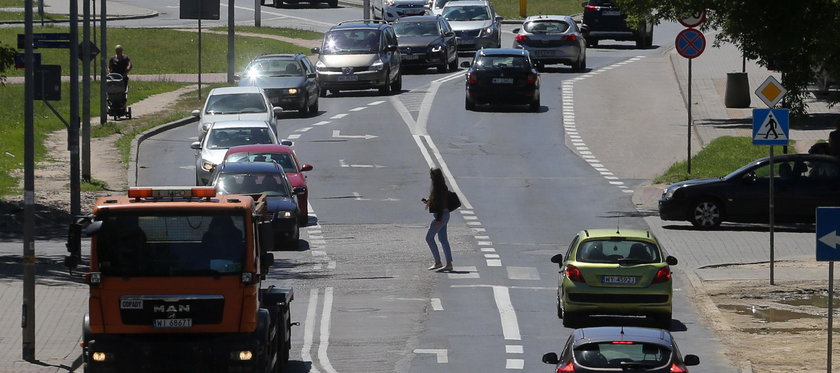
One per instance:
[(360, 54), (603, 20)]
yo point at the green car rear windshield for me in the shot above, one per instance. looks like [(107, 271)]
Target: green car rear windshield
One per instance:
[(614, 251), (633, 356)]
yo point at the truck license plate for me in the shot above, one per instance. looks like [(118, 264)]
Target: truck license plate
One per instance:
[(172, 323), (618, 280)]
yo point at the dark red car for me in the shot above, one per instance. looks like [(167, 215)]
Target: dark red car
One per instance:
[(285, 157)]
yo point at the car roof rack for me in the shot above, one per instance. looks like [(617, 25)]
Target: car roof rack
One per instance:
[(378, 21)]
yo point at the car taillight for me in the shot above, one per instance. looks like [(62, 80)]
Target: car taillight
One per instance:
[(520, 38), (532, 78), (472, 78), (590, 8), (677, 369), (574, 274), (568, 368), (570, 37), (664, 274)]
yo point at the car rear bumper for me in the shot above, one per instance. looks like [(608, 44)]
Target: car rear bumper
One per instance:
[(613, 35), (481, 95), (653, 299), (567, 54)]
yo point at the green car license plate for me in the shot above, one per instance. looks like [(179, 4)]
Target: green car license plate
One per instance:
[(618, 280)]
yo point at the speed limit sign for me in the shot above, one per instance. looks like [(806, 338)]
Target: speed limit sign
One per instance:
[(693, 20)]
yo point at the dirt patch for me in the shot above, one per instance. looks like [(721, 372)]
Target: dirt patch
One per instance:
[(778, 328)]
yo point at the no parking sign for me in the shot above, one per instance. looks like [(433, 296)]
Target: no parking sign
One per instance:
[(690, 43)]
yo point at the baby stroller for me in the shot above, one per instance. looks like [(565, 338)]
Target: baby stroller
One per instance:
[(117, 96)]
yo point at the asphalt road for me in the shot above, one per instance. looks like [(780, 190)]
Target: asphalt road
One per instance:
[(363, 296)]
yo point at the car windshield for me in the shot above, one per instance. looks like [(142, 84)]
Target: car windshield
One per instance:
[(235, 103), (274, 67), (427, 28), (166, 243), (617, 251), (466, 13), (351, 42), (502, 62), (283, 159), (546, 26), (223, 138), (623, 355), (272, 185)]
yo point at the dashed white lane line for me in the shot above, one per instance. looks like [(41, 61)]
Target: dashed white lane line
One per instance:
[(293, 136), (571, 130), (488, 250), (510, 325), (494, 262), (338, 116), (360, 108), (515, 364), (436, 305), (321, 123), (514, 349), (491, 256), (375, 103)]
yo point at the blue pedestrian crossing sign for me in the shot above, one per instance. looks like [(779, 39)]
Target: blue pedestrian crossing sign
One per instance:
[(771, 127), (828, 234)]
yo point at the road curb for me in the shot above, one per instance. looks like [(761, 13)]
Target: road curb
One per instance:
[(135, 144)]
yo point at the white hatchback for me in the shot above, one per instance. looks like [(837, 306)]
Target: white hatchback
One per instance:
[(236, 103)]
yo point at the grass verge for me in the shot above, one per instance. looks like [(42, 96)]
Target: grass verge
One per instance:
[(510, 8), (162, 51), (11, 133), (19, 16), (276, 31), (722, 156)]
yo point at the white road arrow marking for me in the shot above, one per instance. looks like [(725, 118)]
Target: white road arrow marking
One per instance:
[(831, 239), (337, 133), (441, 354)]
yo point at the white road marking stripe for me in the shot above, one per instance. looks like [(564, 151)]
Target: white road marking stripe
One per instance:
[(309, 329), (473, 223), (325, 332), (331, 264), (293, 136), (494, 262), (466, 212), (515, 364), (360, 108), (282, 15), (304, 129), (488, 250), (507, 315), (514, 349), (482, 238), (338, 116), (321, 123), (491, 256), (375, 103), (523, 273), (436, 305), (485, 243), (442, 357)]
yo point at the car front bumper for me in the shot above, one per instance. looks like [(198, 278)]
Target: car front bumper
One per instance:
[(468, 43), (422, 57), (355, 80), (285, 100), (670, 209)]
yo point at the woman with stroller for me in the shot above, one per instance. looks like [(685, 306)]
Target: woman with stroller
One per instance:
[(120, 64)]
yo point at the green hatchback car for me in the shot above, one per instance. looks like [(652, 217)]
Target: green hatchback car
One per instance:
[(614, 272)]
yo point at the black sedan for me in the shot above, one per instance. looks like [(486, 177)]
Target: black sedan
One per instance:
[(289, 81), (801, 183), (502, 76), (620, 349), (427, 41), (257, 179)]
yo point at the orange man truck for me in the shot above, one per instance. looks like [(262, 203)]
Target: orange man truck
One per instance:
[(174, 280)]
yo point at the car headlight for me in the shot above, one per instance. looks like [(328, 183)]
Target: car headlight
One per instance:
[(668, 193), (377, 66), (437, 48), (389, 2), (207, 165), (319, 66), (293, 91), (285, 214), (488, 31)]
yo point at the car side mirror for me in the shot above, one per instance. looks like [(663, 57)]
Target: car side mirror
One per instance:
[(449, 34), (196, 113), (196, 145), (298, 190), (670, 260), (500, 18), (311, 75), (306, 167), (286, 142), (236, 77), (277, 110), (465, 64), (691, 360), (515, 31), (749, 178), (316, 50), (551, 358), (267, 259), (558, 258)]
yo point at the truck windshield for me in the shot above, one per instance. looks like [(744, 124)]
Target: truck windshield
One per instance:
[(152, 243)]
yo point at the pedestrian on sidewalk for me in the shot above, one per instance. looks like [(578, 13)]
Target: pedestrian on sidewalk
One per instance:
[(436, 203), (120, 64), (834, 139)]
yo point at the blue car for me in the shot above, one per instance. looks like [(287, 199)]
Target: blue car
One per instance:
[(264, 180)]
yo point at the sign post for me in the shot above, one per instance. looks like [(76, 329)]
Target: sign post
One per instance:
[(828, 223), (768, 122), (690, 43)]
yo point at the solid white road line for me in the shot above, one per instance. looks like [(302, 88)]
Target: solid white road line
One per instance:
[(309, 329), (325, 332), (436, 305), (282, 15), (510, 325)]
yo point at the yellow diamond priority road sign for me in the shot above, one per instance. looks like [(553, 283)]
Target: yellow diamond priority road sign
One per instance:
[(771, 91)]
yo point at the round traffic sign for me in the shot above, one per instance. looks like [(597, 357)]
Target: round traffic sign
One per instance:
[(693, 20), (690, 43)]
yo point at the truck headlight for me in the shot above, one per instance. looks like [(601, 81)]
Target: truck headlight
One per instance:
[(243, 355), (101, 356)]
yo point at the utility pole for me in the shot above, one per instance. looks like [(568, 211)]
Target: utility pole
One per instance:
[(73, 133), (230, 52), (86, 93), (27, 322), (103, 64)]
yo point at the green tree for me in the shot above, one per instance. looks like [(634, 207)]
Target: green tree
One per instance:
[(7, 60), (792, 37)]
